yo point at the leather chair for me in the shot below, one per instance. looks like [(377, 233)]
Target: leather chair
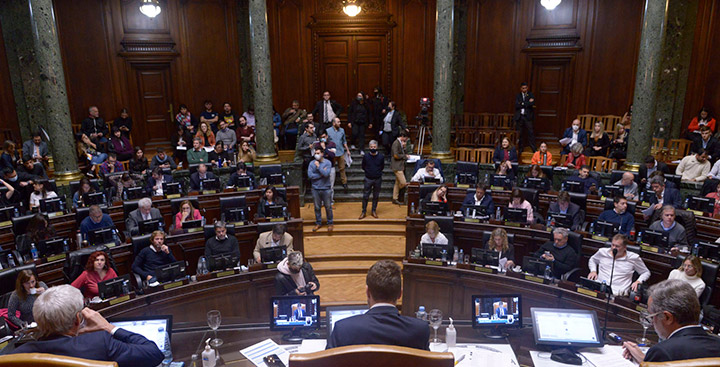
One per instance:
[(684, 217), (263, 227), (700, 362), (380, 355), (579, 199), (49, 360), (129, 206), (139, 243), (709, 276), (575, 241), (76, 260), (7, 281), (446, 225), (486, 237), (610, 204), (423, 191), (75, 185), (82, 213), (531, 195), (616, 175), (421, 163), (19, 224), (175, 205), (674, 179)]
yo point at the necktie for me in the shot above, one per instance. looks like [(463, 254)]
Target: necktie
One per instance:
[(327, 116)]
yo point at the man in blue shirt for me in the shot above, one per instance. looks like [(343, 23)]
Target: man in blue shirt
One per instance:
[(590, 185), (319, 175), (619, 216), (336, 134), (96, 219)]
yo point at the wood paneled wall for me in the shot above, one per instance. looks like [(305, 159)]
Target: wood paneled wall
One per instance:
[(704, 79)]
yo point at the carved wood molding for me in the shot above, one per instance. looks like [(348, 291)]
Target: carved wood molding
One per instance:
[(570, 41), (148, 46), (336, 7)]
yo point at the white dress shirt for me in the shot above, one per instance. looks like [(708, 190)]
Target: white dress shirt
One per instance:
[(422, 173), (327, 109), (601, 263), (440, 239)]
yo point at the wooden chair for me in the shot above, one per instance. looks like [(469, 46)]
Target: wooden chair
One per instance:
[(600, 164), (610, 122), (76, 129), (465, 138), (49, 360), (678, 148), (380, 355), (658, 144), (504, 121), (587, 121), (699, 362), (463, 154), (482, 155), (485, 120), (485, 138)]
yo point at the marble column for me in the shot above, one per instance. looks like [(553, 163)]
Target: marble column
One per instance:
[(647, 79), (442, 95), (38, 79), (243, 13), (459, 53), (261, 81)]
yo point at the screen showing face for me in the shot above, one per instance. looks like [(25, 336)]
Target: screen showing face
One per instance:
[(496, 311), (153, 330), (295, 312), (558, 326)]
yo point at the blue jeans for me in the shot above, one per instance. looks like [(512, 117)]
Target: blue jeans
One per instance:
[(322, 198), (98, 159)]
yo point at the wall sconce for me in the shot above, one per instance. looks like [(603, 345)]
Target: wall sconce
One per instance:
[(351, 7), (151, 8), (550, 4)]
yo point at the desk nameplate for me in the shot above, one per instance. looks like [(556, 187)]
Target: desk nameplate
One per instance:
[(600, 238), (650, 248)]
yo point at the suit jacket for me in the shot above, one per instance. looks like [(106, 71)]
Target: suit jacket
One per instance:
[(285, 285), (135, 217), (28, 149), (712, 148), (670, 197), (499, 155), (642, 172), (195, 180), (265, 240), (573, 211), (396, 123), (319, 110), (524, 104), (582, 138), (688, 343), (381, 325), (486, 201), (151, 182), (126, 348), (397, 150)]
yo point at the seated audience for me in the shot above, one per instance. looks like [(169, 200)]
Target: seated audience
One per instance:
[(32, 168), (66, 328), (245, 131), (277, 237), (674, 313), (7, 198), (517, 201), (218, 157), (124, 122), (197, 154), (249, 116), (226, 135), (505, 152), (432, 234), (563, 257), (111, 165), (138, 163), (241, 171), (120, 145), (96, 270), (618, 146), (650, 166), (292, 118), (715, 195), (537, 172), (152, 257), (619, 215), (479, 198), (565, 206), (9, 157), (186, 121), (27, 290), (197, 177), (228, 116), (38, 229), (428, 171), (677, 237), (187, 212), (664, 195), (144, 212), (576, 158), (246, 153), (505, 169), (41, 192), (35, 149), (205, 133), (499, 243), (439, 195), (706, 142), (542, 157), (599, 142), (703, 118), (162, 160), (126, 181), (694, 167), (85, 187), (180, 141), (95, 127), (89, 150), (691, 273), (626, 263), (590, 185), (155, 181), (630, 187), (270, 197), (295, 276), (382, 324), (576, 135), (221, 243), (96, 219)]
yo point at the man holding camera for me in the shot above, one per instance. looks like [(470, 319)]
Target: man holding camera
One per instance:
[(295, 277)]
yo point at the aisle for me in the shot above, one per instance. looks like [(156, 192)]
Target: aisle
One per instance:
[(341, 259)]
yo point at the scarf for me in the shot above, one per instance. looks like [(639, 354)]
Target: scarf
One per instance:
[(298, 278)]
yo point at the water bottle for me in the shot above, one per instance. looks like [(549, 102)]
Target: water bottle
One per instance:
[(11, 261), (16, 212), (66, 246), (455, 256), (604, 287), (498, 213), (485, 181), (461, 257), (421, 314), (412, 208), (549, 222), (592, 228), (687, 203), (548, 273), (696, 250), (126, 287), (125, 195), (167, 351), (195, 362), (201, 185), (104, 199), (34, 251), (78, 240), (444, 255), (203, 265), (639, 237), (116, 236)]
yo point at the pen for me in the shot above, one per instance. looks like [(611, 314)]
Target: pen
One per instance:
[(460, 359)]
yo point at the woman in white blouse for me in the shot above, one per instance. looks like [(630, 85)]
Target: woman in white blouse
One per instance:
[(433, 235), (41, 192), (691, 272)]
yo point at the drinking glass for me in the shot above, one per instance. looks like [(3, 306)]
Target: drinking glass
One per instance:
[(435, 319), (214, 319), (645, 322)]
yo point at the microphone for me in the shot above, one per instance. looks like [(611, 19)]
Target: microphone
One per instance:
[(607, 303)]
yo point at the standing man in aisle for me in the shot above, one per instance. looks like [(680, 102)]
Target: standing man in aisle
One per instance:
[(373, 164), (319, 175), (397, 163), (336, 134), (524, 117), (327, 109)]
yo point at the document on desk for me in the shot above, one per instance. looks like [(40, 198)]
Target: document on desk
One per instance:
[(312, 345), (467, 355), (607, 356), (256, 352)]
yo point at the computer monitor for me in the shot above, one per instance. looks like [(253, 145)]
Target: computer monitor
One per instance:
[(566, 328), (276, 179), (102, 236), (53, 246), (94, 198), (337, 313), (243, 181), (708, 250), (114, 287), (133, 193), (594, 285), (431, 180), (210, 184), (466, 179), (52, 205), (275, 211), (197, 223), (497, 312), (605, 229), (156, 328), (236, 215), (535, 183), (6, 215), (535, 265), (434, 251), (150, 226), (501, 181), (702, 204), (515, 215), (483, 256), (475, 211), (273, 254), (560, 220), (574, 186), (171, 188), (295, 314), (222, 261), (170, 272), (655, 238), (611, 191), (435, 208)]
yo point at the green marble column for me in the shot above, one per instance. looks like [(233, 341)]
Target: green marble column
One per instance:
[(459, 49), (38, 79), (646, 82), (261, 81), (244, 49), (442, 109)]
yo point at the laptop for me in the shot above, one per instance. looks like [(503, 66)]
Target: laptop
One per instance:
[(337, 313), (154, 328)]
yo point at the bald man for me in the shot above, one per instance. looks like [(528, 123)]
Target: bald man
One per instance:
[(630, 187)]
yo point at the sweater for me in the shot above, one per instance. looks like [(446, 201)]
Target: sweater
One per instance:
[(88, 281), (565, 257), (625, 220), (690, 169), (228, 137), (25, 307), (88, 225), (320, 176), (195, 157), (695, 281), (373, 165), (148, 260), (229, 245)]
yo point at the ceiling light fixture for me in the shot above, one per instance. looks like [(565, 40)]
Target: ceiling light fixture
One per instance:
[(151, 8), (351, 7), (550, 4)]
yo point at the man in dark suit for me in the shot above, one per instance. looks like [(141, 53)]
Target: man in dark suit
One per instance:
[(327, 110), (155, 181), (524, 117), (382, 324), (95, 127), (674, 312), (237, 176), (145, 211), (35, 149), (705, 141), (199, 175), (564, 205), (663, 195), (479, 198), (391, 126), (576, 134), (60, 316), (650, 166)]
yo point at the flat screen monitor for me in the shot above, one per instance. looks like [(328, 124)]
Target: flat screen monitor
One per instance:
[(483, 256), (133, 193), (337, 313), (496, 311), (6, 215), (243, 181), (170, 272), (150, 226), (516, 215), (210, 184), (273, 254), (275, 211), (171, 188), (294, 312), (102, 236), (566, 328), (574, 186), (435, 208), (94, 198), (611, 191), (655, 238), (501, 181), (236, 215), (560, 220), (156, 328), (53, 246), (113, 287), (52, 205), (197, 223), (467, 179), (535, 266), (605, 229), (434, 251), (593, 285), (475, 211), (221, 262), (276, 179), (706, 205), (535, 183), (431, 180), (708, 250)]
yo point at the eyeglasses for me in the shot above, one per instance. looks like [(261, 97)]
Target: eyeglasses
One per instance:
[(649, 317)]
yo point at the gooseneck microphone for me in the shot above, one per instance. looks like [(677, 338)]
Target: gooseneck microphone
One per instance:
[(608, 294)]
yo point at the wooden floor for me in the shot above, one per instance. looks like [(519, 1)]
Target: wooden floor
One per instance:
[(341, 258)]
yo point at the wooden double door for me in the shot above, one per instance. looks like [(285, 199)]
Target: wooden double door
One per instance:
[(350, 64)]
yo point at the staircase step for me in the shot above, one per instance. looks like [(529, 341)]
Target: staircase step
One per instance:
[(324, 245), (354, 230)]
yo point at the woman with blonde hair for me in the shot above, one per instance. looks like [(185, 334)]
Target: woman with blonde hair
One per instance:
[(433, 235), (598, 142), (439, 195), (206, 134), (690, 272), (499, 242)]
